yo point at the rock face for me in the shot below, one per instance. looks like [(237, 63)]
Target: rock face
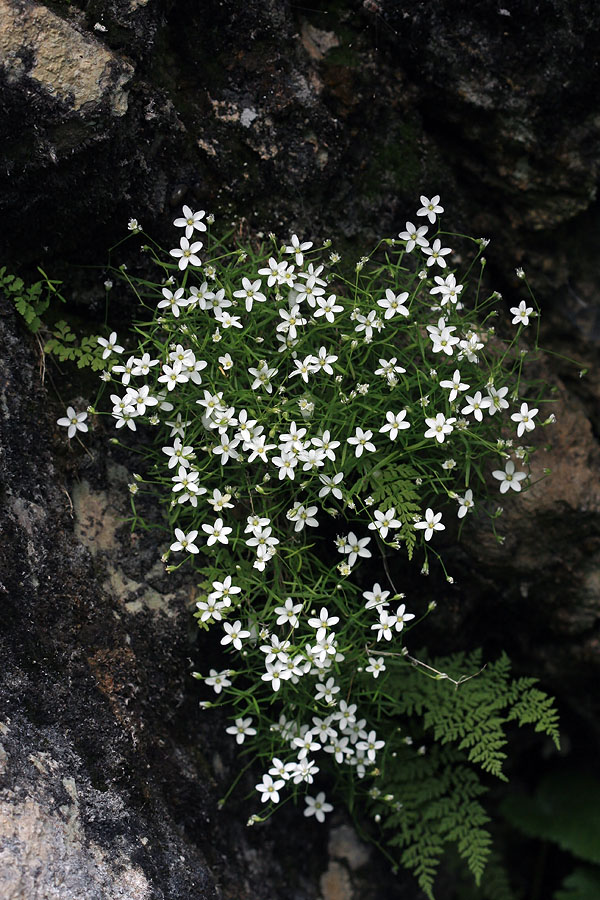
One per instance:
[(330, 122)]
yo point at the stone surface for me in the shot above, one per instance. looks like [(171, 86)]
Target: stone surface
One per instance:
[(331, 122)]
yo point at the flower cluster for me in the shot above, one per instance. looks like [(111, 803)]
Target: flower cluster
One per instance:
[(286, 398)]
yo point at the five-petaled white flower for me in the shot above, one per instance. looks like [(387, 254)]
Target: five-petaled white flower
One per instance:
[(218, 680), (370, 745), (362, 441), (376, 665), (436, 253), (431, 523), (394, 303), (190, 221), (250, 292), (328, 308), (317, 807), (509, 478), (234, 634), (384, 521), (269, 788), (185, 541), (241, 728), (439, 427), (521, 313), (476, 404), (74, 421), (186, 253), (455, 385), (297, 248), (524, 418), (497, 401), (355, 548), (217, 532), (395, 421), (414, 236), (430, 208)]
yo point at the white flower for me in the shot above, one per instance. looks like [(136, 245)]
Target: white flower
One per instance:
[(524, 418), (269, 788), (250, 292), (304, 368), (393, 303), (475, 405), (234, 634), (305, 516), (330, 485), (185, 541), (327, 691), (241, 728), (376, 597), (362, 441), (322, 362), (355, 548), (262, 377), (430, 208), (431, 523), (376, 666), (384, 521), (324, 622), (497, 399), (317, 807), (371, 745), (328, 308), (173, 301), (465, 504), (521, 313), (439, 427), (297, 249), (178, 454), (223, 590), (74, 421), (442, 337), (110, 345), (394, 423), (414, 236), (218, 680), (326, 445), (399, 618), (447, 287), (455, 385), (173, 375), (288, 613), (384, 627), (190, 221), (509, 478), (304, 770), (436, 253), (217, 532), (186, 253)]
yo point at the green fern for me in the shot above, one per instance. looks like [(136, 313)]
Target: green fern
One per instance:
[(395, 486), (31, 301), (64, 345), (439, 795), (495, 886), (462, 718)]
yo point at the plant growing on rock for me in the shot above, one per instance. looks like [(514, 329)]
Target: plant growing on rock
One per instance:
[(311, 424)]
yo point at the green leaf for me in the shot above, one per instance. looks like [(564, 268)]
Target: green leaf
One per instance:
[(581, 884), (565, 809)]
